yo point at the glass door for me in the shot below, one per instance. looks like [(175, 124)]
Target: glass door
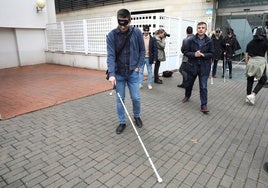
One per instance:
[(242, 24)]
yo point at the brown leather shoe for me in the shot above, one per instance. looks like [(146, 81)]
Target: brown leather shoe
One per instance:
[(204, 109), (186, 99)]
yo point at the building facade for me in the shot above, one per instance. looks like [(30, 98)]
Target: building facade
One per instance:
[(22, 32), (200, 10), (23, 28), (242, 16)]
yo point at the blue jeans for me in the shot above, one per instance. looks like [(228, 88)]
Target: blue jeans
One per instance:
[(203, 75), (132, 81), (149, 70)]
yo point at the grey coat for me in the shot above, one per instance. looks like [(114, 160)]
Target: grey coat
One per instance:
[(161, 48)]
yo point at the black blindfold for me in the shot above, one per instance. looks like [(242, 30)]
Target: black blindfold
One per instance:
[(123, 22)]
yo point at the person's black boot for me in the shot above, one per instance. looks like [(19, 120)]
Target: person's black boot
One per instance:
[(181, 85), (138, 122), (265, 167), (158, 81), (120, 128)]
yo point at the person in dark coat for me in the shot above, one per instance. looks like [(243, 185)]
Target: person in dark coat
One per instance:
[(199, 50), (189, 33), (218, 55), (230, 45)]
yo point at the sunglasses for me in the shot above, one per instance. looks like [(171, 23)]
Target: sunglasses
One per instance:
[(217, 31), (123, 22)]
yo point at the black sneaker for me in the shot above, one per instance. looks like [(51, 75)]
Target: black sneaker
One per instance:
[(180, 85), (265, 167), (138, 122), (120, 128), (158, 81)]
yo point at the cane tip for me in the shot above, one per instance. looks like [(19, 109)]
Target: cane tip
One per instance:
[(159, 180)]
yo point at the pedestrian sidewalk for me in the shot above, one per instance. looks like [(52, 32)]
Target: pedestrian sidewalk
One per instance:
[(74, 144)]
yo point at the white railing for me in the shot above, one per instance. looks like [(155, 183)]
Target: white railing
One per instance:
[(89, 36), (84, 36)]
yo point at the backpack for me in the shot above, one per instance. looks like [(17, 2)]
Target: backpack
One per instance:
[(167, 74)]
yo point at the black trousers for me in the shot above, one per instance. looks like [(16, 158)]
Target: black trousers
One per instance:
[(183, 73), (258, 87), (156, 70)]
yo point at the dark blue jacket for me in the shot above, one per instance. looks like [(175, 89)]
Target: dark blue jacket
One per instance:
[(137, 50), (153, 52), (207, 49)]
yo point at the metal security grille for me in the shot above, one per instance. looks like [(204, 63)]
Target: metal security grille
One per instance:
[(71, 5)]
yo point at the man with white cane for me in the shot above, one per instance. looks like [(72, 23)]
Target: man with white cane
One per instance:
[(125, 56)]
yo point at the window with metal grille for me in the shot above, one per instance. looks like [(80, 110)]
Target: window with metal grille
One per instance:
[(71, 5)]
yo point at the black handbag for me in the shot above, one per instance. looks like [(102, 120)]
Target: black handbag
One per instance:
[(167, 74)]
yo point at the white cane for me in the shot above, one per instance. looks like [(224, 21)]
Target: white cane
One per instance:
[(159, 179), (224, 68), (239, 63)]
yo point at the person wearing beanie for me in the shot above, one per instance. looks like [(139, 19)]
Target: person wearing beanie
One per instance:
[(230, 45), (218, 55)]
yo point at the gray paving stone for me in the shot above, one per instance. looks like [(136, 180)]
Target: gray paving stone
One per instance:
[(226, 181), (75, 145), (203, 178)]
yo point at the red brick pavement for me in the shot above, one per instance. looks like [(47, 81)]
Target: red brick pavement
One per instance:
[(29, 88)]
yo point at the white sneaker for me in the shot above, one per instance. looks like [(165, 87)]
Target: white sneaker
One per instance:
[(150, 86), (140, 86), (251, 98)]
